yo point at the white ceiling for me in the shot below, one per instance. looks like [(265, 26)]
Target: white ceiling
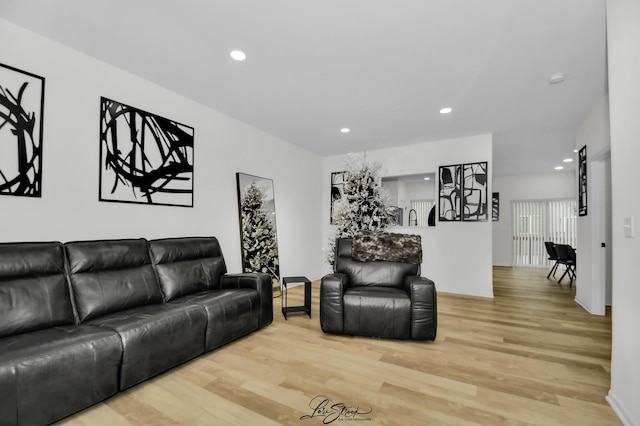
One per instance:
[(383, 68)]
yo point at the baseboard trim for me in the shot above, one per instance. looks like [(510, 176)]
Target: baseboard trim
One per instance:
[(585, 307), (457, 293), (510, 265), (620, 410)]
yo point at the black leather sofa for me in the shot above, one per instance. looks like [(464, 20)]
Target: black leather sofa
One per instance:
[(386, 299), (83, 320)]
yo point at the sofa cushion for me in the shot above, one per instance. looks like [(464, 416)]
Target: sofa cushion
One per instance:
[(111, 275), (48, 374), (231, 313), (155, 338), (187, 265), (34, 293)]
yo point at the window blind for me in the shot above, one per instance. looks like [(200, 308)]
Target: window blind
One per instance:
[(537, 221)]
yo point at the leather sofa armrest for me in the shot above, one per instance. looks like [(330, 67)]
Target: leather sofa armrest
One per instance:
[(424, 312), (332, 289), (258, 281)]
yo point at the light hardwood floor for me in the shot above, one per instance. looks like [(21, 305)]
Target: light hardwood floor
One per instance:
[(530, 356)]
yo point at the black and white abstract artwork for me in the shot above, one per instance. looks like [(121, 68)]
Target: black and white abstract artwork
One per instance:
[(474, 189), (495, 206), (144, 158), (450, 191), (21, 123), (582, 181), (337, 193)]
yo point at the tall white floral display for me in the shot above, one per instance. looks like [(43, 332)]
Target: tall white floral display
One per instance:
[(364, 207)]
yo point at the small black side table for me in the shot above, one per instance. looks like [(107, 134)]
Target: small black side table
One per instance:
[(307, 296)]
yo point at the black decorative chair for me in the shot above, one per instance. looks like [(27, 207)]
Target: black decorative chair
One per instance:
[(377, 298), (567, 257), (553, 256)]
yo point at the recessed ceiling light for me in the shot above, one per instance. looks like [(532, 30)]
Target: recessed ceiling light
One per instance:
[(427, 178), (445, 110), (567, 160), (345, 130), (558, 168), (575, 150), (238, 55)]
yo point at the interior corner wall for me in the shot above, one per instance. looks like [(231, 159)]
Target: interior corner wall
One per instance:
[(592, 132), (544, 186), (623, 39), (69, 208), (456, 255)]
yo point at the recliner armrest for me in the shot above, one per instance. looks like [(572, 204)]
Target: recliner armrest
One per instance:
[(255, 280), (332, 289), (258, 281), (411, 280), (424, 319)]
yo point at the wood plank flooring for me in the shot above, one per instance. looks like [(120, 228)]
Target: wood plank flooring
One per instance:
[(530, 356)]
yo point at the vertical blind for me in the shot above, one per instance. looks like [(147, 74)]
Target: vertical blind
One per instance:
[(422, 208), (535, 222)]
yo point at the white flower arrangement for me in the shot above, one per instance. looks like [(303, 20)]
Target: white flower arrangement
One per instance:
[(365, 207), (259, 244)]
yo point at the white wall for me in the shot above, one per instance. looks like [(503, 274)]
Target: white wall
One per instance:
[(544, 186), (456, 255), (623, 39), (608, 278), (421, 190), (69, 207), (593, 132)]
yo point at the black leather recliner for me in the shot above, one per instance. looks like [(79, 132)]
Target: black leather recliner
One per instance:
[(377, 298)]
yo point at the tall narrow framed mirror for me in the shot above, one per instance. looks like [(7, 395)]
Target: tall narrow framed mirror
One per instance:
[(258, 230)]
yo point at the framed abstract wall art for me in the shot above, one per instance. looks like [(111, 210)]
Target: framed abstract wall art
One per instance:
[(337, 193), (21, 124), (462, 192), (144, 158), (474, 190), (449, 193), (495, 206), (582, 181)]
